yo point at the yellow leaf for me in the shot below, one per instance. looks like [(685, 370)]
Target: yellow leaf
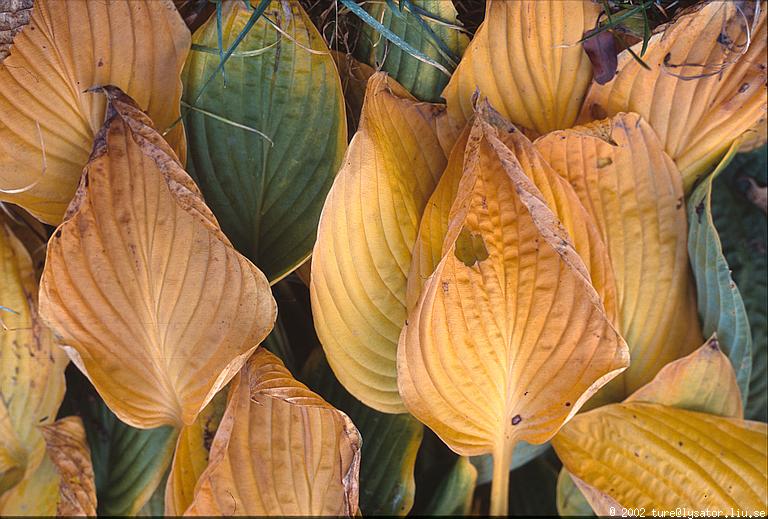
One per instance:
[(633, 191), (507, 349), (152, 301), (67, 447), (526, 59), (280, 450), (366, 233), (701, 92), (559, 196), (36, 495), (48, 121), (702, 381), (191, 456), (650, 456), (31, 365)]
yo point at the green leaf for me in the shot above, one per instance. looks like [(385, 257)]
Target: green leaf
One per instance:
[(570, 501), (390, 443), (533, 488), (720, 304), (128, 463), (454, 494), (265, 146), (743, 231), (440, 40)]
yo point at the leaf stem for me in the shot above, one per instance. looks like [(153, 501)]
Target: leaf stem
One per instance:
[(502, 461)]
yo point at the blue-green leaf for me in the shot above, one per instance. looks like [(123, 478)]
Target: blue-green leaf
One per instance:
[(743, 231), (430, 28), (265, 146), (721, 307)]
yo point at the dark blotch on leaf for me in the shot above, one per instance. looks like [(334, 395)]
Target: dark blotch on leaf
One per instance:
[(516, 419)]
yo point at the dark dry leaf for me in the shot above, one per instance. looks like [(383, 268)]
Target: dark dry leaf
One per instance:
[(601, 50)]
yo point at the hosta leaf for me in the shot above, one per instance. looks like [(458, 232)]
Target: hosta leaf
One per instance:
[(279, 450), (365, 237), (702, 381), (138, 239), (31, 365), (700, 92), (48, 121), (390, 444), (633, 191), (720, 304), (488, 356), (36, 495), (524, 453), (570, 500), (445, 44), (652, 456), (556, 192), (128, 463), (454, 493), (267, 136), (191, 456), (743, 232), (67, 447), (526, 59), (533, 489), (354, 78)]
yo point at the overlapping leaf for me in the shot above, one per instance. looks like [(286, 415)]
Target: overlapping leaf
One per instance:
[(267, 135), (702, 381), (527, 60), (128, 463), (719, 301), (48, 121), (414, 23), (634, 193), (653, 456), (488, 356), (390, 444), (279, 450), (190, 458), (365, 237), (137, 241), (705, 86), (31, 365), (453, 495), (67, 447), (743, 233)]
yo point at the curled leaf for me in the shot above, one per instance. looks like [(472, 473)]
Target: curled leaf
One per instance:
[(68, 449), (280, 450), (268, 132), (651, 456), (527, 61), (138, 239), (190, 458), (509, 348), (48, 120), (632, 190), (366, 234), (31, 365), (705, 86)]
